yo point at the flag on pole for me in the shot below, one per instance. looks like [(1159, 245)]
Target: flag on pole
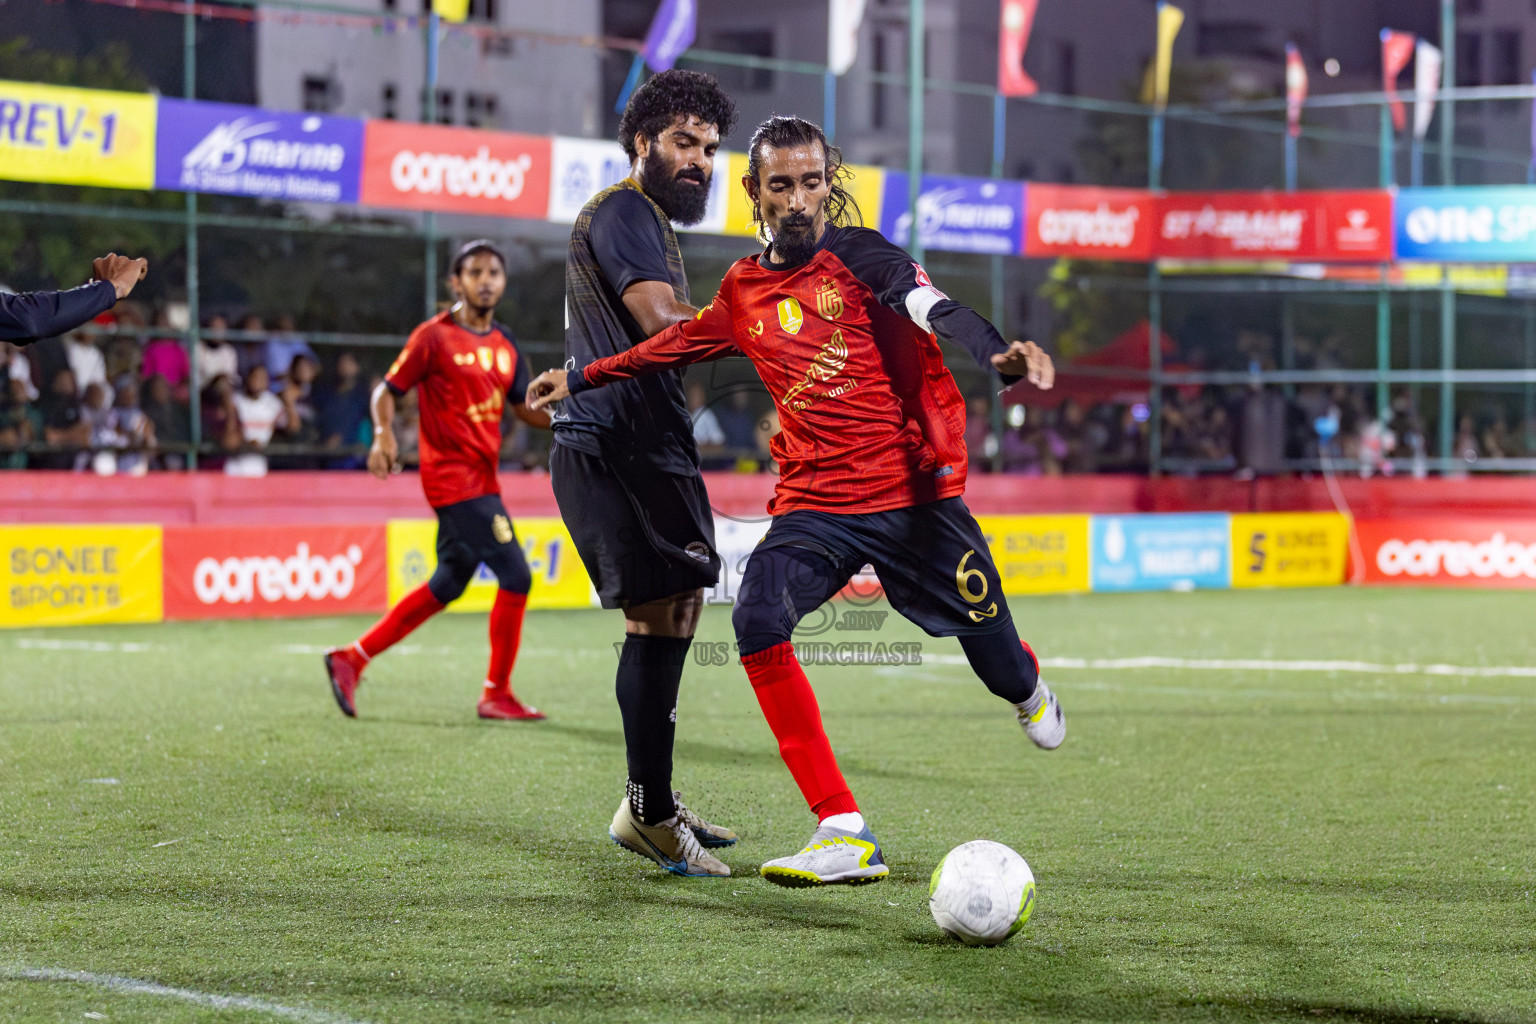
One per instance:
[(1169, 20), (844, 17), (1427, 66), (672, 32), (1017, 18), (1530, 175), (1295, 88), (1396, 51), (451, 10)]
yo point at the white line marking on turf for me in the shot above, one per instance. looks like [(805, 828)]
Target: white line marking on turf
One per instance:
[(28, 643), (168, 842), (102, 782), (1264, 665), (133, 986)]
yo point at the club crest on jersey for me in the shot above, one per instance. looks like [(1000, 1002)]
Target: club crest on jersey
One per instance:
[(790, 316), (504, 363), (829, 301)]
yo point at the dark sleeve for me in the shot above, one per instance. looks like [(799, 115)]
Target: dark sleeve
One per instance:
[(27, 317), (517, 392), (628, 242), (901, 284)]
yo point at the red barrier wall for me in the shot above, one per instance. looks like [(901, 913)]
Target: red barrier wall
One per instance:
[(355, 497)]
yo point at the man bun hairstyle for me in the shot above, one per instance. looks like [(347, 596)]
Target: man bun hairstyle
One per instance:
[(666, 97), (475, 248), (783, 132)]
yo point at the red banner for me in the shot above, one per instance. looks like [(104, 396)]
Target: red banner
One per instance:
[(1328, 227), (219, 572), (1396, 52), (458, 170), (1088, 223), (1450, 552), (1016, 19)]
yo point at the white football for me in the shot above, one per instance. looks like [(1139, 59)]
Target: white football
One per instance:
[(981, 893)]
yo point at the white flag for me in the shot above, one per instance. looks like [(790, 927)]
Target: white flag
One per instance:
[(843, 20), (1426, 86)]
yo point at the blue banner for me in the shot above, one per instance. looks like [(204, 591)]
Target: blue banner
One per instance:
[(1161, 552), (246, 151), (1467, 225), (672, 32), (956, 214)]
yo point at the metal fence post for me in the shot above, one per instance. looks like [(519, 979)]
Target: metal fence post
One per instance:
[(194, 307), (916, 26)]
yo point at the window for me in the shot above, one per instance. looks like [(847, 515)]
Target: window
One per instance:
[(319, 94), (482, 10), (1505, 59), (390, 102), (1066, 69), (479, 109), (879, 95), (445, 106), (1469, 58), (750, 43)]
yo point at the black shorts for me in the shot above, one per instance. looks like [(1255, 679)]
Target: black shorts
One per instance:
[(471, 534), (644, 534), (932, 561)]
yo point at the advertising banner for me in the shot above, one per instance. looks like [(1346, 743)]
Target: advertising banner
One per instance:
[(865, 184), (1086, 222), (70, 136), (559, 578), (1039, 554), (244, 151), (79, 575), (1467, 225), (1161, 552), (1326, 227), (1449, 552), (224, 572), (956, 214), (581, 168), (455, 170), (1289, 549)]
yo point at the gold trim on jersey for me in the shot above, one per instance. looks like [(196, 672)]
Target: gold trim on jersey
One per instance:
[(828, 363), (829, 301)]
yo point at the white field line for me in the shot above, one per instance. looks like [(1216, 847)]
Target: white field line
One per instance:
[(1264, 665), (30, 643), (133, 986)]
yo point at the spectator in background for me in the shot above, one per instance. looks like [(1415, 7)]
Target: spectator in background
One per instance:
[(221, 421), (296, 391), (285, 346), (342, 409), (123, 350), (64, 424), (252, 347), (215, 355), (167, 357), (96, 411), (171, 420), (14, 365), (739, 421), (706, 429), (132, 429), (20, 424), (260, 415), (86, 360), (980, 442)]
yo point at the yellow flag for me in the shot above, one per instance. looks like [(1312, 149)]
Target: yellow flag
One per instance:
[(1169, 20), (451, 10)]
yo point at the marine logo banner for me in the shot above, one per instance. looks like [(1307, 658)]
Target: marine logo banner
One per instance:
[(218, 147), (955, 214)]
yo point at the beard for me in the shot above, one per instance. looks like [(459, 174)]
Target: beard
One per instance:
[(682, 203), (794, 240)]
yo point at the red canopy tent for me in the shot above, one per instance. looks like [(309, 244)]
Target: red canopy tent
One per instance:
[(1094, 378)]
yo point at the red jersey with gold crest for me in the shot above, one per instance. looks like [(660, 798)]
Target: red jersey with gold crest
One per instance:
[(464, 381), (871, 418)]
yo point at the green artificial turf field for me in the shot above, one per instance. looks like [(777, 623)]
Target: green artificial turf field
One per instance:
[(182, 805)]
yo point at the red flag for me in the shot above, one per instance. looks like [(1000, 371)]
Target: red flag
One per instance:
[(1295, 88), (1396, 51), (1016, 20)]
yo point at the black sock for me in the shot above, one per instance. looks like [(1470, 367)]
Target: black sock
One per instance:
[(650, 669), (1002, 663)]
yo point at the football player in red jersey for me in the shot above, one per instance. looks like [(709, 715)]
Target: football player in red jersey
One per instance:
[(466, 367), (839, 323)]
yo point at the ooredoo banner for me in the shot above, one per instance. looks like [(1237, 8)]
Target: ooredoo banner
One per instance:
[(1329, 227), (79, 575), (219, 572), (455, 170), (1085, 222), (1449, 552)]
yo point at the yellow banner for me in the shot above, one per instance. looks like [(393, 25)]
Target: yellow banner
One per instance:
[(865, 184), (559, 578), (1289, 549), (71, 136), (80, 575), (1039, 554)]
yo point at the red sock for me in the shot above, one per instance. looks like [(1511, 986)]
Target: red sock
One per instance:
[(506, 634), (414, 608), (789, 704)]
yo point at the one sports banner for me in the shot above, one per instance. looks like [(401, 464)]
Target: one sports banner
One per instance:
[(67, 136), (1161, 552), (1295, 88), (672, 31), (1447, 552), (1492, 224), (1039, 554), (455, 170), (1289, 549), (1396, 52), (223, 572), (1427, 67), (844, 19), (1323, 227), (977, 215), (1087, 222), (559, 578), (79, 575), (245, 151), (1015, 21)]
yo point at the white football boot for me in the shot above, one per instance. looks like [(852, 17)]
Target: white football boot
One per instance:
[(834, 856), (671, 844), (1042, 719)]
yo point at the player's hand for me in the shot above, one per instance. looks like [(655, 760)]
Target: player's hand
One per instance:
[(384, 455), (547, 388), (1028, 360), (123, 272)]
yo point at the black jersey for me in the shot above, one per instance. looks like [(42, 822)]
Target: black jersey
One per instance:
[(622, 237)]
